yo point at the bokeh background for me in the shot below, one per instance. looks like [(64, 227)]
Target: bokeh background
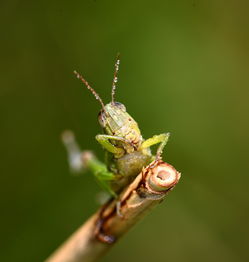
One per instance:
[(184, 70)]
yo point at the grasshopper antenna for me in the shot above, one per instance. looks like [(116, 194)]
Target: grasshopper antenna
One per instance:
[(115, 77), (90, 88)]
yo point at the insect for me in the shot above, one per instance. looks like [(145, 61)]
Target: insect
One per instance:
[(127, 152)]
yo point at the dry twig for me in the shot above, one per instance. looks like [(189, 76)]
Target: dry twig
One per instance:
[(104, 228)]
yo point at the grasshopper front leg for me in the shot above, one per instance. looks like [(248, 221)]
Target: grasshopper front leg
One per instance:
[(104, 140), (162, 138)]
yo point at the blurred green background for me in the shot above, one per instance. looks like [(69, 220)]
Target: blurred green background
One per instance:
[(184, 69)]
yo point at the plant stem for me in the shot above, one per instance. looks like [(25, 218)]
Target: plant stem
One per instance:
[(106, 226)]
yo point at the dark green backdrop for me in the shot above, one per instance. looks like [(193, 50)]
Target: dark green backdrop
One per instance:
[(184, 70)]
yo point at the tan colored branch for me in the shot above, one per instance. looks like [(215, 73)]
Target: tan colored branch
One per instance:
[(114, 219)]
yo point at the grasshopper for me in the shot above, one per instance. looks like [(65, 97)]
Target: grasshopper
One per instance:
[(127, 152)]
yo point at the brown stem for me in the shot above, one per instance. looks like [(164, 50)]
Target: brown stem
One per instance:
[(106, 226)]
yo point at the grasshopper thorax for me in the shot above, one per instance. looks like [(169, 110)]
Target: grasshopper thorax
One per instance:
[(117, 122)]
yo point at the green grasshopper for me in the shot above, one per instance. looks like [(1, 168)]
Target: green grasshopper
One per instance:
[(126, 150)]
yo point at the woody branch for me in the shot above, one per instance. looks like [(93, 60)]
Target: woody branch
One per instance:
[(99, 233)]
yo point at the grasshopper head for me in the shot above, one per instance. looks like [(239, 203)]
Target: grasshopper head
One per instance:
[(116, 121), (112, 117)]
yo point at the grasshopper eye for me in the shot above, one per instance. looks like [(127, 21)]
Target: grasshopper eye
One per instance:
[(120, 106), (101, 118)]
